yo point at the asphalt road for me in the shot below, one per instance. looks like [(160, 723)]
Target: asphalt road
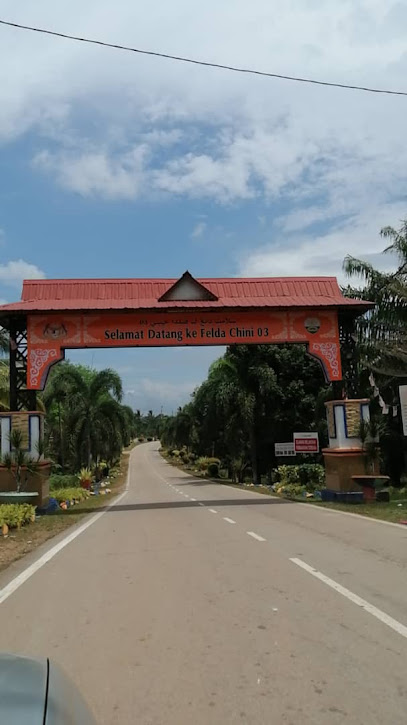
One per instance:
[(191, 602)]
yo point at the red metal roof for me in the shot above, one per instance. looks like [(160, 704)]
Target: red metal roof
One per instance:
[(142, 294)]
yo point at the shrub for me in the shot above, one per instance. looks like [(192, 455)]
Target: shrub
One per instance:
[(141, 439), (288, 475), (75, 494), (149, 439), (213, 470), (175, 454), (292, 490), (15, 515), (60, 480), (312, 475), (204, 461), (309, 475)]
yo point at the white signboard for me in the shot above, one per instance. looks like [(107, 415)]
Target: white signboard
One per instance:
[(284, 449), (403, 406), (306, 443)]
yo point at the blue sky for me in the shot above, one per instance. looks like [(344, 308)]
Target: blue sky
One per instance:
[(120, 165)]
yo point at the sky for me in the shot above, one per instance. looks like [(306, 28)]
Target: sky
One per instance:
[(114, 164)]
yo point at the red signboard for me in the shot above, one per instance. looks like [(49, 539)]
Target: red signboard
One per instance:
[(49, 335), (306, 443)]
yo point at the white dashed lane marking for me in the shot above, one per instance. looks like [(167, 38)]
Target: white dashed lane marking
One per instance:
[(230, 521), (255, 536)]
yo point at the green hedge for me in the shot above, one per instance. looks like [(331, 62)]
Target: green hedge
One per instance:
[(76, 493), (62, 480), (15, 515), (205, 461), (310, 475)]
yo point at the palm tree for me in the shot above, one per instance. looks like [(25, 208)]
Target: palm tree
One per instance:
[(383, 331), (4, 385), (244, 379), (4, 371), (4, 340), (91, 419), (382, 337)]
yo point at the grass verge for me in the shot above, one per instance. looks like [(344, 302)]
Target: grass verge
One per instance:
[(375, 510), (22, 541), (391, 511)]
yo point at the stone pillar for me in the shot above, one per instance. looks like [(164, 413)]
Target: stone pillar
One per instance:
[(31, 425), (345, 456)]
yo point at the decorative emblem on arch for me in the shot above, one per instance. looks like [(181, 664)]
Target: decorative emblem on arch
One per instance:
[(329, 355), (40, 360)]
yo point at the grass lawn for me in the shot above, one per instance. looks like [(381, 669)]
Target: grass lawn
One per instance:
[(376, 510), (22, 541)]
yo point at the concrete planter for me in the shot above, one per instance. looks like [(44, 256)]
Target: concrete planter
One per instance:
[(18, 497), (36, 484)]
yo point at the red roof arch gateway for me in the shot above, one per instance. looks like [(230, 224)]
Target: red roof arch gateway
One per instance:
[(82, 313)]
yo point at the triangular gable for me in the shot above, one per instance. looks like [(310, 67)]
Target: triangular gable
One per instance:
[(187, 289)]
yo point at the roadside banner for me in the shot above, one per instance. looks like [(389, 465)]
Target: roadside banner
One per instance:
[(284, 449), (306, 443)]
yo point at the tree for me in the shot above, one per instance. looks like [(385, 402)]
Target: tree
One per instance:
[(4, 371), (253, 397), (382, 333), (382, 340), (4, 385), (4, 341), (85, 405)]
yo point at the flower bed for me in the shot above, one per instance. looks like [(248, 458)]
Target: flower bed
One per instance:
[(70, 496)]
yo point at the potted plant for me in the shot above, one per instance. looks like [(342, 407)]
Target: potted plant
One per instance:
[(85, 478), (21, 466)]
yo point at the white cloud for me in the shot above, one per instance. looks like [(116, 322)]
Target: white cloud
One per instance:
[(148, 394), (198, 230), (14, 272), (122, 126), (94, 173), (323, 254)]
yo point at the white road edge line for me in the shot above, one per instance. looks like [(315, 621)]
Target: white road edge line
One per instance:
[(370, 608), (15, 583), (255, 536), (369, 519), (230, 521), (213, 511)]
